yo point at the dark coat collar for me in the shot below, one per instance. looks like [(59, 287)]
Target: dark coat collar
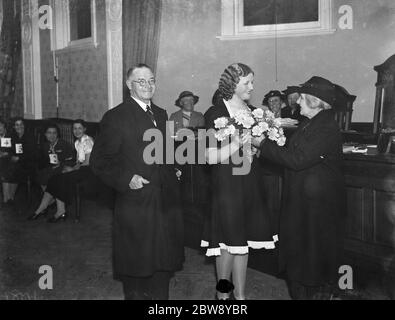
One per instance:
[(133, 109), (132, 103), (323, 118), (223, 109)]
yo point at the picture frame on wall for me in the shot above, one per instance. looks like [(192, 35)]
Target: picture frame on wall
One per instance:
[(255, 19)]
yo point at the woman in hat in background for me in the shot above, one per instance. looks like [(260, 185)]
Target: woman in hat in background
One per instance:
[(274, 101), (314, 195), (191, 176), (292, 110), (187, 117)]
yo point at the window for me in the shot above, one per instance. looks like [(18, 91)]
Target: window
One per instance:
[(74, 24), (251, 19), (80, 20)]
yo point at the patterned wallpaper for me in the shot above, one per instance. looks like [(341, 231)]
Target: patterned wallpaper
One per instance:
[(82, 76), (17, 109)]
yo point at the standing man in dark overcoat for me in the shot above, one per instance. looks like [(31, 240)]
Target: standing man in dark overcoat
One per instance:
[(147, 226)]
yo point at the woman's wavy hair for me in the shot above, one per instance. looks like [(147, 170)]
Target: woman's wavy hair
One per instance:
[(81, 122), (231, 77), (14, 120)]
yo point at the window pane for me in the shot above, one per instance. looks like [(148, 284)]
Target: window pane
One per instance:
[(80, 19), (264, 12)]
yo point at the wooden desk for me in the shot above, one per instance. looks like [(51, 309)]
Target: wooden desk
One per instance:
[(370, 181)]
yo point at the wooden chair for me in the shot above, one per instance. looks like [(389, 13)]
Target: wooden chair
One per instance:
[(343, 107), (34, 127), (93, 189), (384, 111)]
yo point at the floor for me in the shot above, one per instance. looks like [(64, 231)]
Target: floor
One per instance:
[(80, 257)]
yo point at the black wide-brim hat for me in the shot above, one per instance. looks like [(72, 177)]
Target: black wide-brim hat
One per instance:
[(320, 88), (186, 94), (290, 90)]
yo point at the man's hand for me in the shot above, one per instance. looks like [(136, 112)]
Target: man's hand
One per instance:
[(137, 182), (254, 150)]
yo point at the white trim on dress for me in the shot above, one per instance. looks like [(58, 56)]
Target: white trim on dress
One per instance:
[(239, 249)]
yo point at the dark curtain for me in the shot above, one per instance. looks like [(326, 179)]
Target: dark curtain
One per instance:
[(80, 20), (141, 32), (10, 58)]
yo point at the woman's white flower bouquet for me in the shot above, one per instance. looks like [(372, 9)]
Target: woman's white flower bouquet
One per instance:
[(257, 122)]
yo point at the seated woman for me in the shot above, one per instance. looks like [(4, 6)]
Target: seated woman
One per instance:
[(292, 110), (61, 187), (5, 152), (21, 162), (54, 155)]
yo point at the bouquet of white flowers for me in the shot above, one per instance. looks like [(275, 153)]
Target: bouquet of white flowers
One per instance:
[(258, 122)]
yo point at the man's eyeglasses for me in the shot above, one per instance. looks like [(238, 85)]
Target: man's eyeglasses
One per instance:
[(144, 83)]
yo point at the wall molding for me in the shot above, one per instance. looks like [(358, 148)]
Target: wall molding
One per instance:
[(114, 52), (31, 59)]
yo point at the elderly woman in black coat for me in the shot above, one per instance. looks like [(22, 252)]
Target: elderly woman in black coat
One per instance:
[(313, 199)]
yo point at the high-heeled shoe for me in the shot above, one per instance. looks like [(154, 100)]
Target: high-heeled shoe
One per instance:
[(35, 216), (57, 219), (225, 286)]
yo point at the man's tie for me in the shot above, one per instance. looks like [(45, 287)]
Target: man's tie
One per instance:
[(151, 114)]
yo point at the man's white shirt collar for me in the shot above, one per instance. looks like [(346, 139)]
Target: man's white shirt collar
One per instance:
[(142, 104)]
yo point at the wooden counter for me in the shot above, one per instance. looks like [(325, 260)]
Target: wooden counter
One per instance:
[(372, 157), (370, 181)]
